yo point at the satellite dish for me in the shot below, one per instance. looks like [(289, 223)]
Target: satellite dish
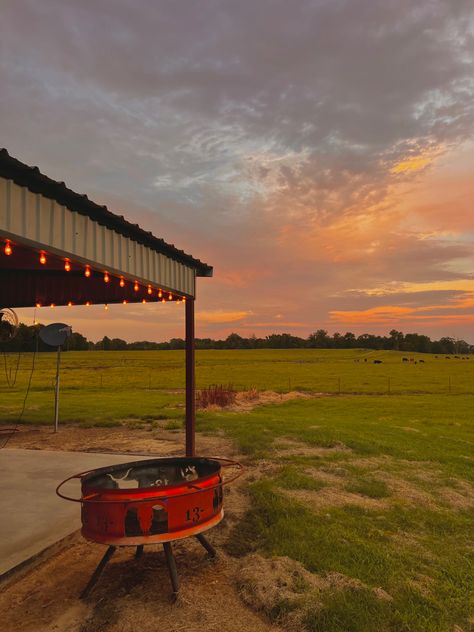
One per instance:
[(8, 324), (56, 334)]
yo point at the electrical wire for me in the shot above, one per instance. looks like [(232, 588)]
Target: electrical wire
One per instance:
[(18, 421)]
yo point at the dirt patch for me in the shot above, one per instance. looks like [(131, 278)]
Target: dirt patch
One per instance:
[(158, 442), (131, 595), (285, 591), (286, 446)]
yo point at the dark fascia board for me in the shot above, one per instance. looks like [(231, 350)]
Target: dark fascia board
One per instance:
[(37, 182)]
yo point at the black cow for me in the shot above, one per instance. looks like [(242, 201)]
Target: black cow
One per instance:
[(377, 361)]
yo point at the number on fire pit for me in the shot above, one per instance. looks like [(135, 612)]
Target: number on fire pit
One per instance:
[(194, 514)]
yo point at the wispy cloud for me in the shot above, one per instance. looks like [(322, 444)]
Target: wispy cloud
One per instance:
[(306, 149)]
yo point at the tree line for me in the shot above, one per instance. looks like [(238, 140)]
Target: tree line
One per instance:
[(26, 339)]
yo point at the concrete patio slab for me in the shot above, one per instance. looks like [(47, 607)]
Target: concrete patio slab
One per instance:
[(32, 517)]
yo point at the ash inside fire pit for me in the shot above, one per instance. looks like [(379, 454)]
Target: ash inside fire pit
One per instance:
[(153, 473)]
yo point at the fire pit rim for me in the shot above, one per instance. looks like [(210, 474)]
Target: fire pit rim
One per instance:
[(179, 460), (87, 499)]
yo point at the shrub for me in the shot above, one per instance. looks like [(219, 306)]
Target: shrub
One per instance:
[(216, 395)]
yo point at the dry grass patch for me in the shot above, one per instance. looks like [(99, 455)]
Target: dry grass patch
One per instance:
[(287, 593), (329, 497), (287, 447)]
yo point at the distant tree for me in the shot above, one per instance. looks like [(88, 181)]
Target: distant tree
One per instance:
[(234, 341), (319, 339), (77, 342), (396, 338)]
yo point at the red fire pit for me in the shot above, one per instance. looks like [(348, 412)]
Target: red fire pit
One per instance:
[(149, 502)]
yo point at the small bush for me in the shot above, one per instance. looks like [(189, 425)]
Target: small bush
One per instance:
[(216, 395)]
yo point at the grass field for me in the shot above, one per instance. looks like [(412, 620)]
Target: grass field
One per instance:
[(148, 385), (371, 490)]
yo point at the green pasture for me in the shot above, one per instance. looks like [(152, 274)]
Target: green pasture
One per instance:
[(372, 481), (412, 457), (108, 387)]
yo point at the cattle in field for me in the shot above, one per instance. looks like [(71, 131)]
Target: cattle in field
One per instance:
[(365, 359), (404, 359), (377, 361), (457, 357), (447, 358), (421, 361)]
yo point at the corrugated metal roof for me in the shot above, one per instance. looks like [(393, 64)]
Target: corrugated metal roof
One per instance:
[(36, 182)]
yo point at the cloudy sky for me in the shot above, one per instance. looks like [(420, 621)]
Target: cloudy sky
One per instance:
[(318, 153)]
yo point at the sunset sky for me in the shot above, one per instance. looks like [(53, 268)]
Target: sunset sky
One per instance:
[(319, 154)]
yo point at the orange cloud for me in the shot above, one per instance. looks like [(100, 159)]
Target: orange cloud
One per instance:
[(221, 316)]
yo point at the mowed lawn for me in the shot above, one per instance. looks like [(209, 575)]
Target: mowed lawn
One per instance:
[(366, 491)]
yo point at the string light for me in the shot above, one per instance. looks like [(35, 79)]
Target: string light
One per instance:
[(122, 282), (67, 265), (183, 299), (42, 258), (69, 304), (106, 277), (163, 300), (38, 305), (87, 272), (150, 291), (160, 294), (106, 307), (8, 249), (170, 297), (88, 303), (143, 301), (124, 302), (52, 305), (136, 287)]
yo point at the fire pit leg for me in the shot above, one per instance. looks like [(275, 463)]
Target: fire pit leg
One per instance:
[(139, 552), (206, 544), (171, 566), (95, 576)]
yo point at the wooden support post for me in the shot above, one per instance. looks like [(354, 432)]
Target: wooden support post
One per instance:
[(190, 380)]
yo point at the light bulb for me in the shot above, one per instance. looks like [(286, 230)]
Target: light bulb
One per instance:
[(106, 307), (67, 265), (87, 272), (150, 291), (88, 303), (52, 305), (122, 282), (38, 304), (143, 301), (163, 300), (125, 301), (8, 249), (69, 304), (42, 258), (136, 287), (160, 293), (106, 277), (170, 297), (183, 299)]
